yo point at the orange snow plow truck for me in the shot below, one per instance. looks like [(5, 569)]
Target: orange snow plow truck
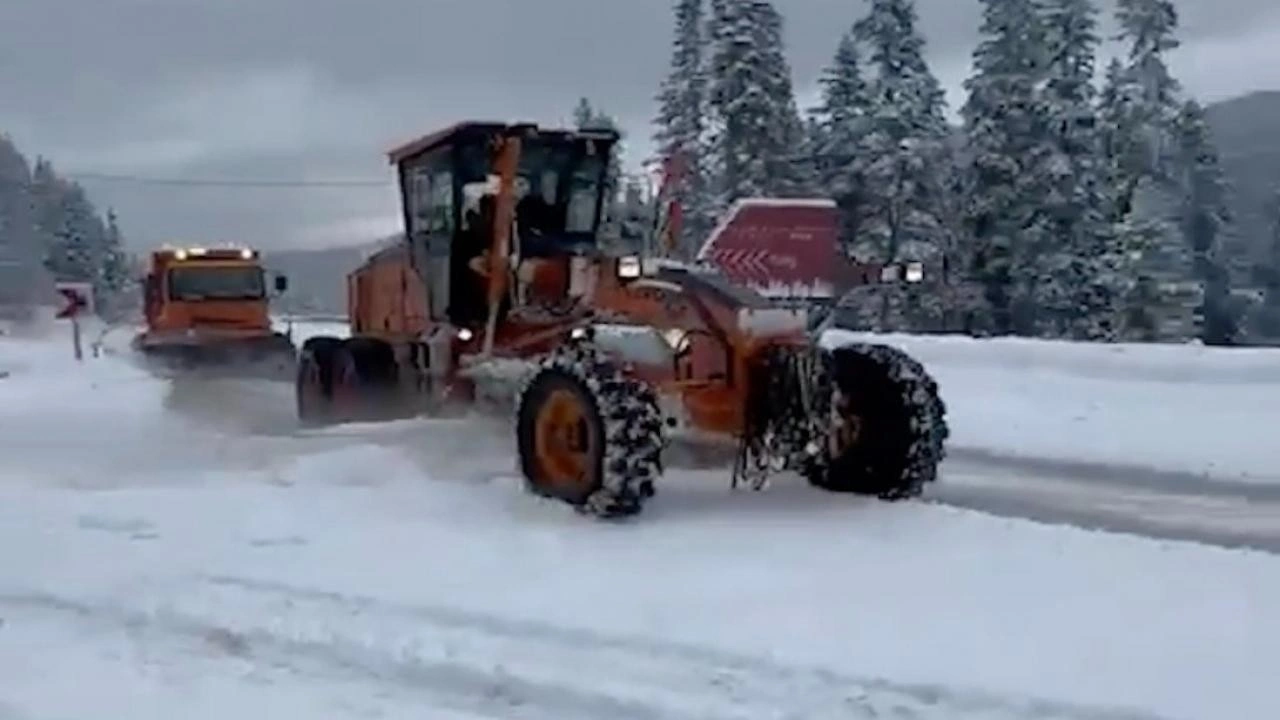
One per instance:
[(207, 313)]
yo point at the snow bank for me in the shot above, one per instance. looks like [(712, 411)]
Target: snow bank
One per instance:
[(63, 421), (53, 381), (1209, 411), (1111, 361)]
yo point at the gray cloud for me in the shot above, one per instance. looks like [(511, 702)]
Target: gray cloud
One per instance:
[(320, 89)]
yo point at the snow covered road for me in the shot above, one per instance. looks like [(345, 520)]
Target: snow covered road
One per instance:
[(1149, 499), (393, 590), (466, 664), (1145, 501), (166, 561)]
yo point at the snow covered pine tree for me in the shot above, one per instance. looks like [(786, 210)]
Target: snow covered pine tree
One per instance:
[(1007, 143), (1204, 215), (114, 285), (842, 119), (1166, 298), (681, 125), (1083, 272), (754, 121), (20, 248), (903, 160)]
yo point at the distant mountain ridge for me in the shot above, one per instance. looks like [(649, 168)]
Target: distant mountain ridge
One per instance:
[(1247, 132), (317, 278)]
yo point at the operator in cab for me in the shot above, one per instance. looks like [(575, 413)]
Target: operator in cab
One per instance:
[(538, 219)]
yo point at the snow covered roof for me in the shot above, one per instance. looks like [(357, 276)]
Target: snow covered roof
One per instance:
[(780, 247), (451, 134), (743, 203)]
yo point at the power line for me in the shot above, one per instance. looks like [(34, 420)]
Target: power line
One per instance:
[(229, 182), (98, 177)]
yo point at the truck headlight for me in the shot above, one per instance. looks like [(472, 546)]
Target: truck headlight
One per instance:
[(629, 267), (915, 272)]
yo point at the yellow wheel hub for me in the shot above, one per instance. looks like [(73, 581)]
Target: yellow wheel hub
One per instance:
[(564, 442)]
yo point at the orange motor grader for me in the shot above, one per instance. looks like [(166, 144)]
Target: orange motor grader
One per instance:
[(501, 293)]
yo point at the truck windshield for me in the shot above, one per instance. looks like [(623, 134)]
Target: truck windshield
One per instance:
[(216, 283)]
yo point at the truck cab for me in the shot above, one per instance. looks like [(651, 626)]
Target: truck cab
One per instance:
[(207, 309), (216, 291)]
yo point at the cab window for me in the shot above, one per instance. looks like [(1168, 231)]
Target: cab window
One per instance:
[(430, 198)]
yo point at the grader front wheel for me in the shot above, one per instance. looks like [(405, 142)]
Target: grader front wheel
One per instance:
[(564, 429), (589, 435), (888, 424)]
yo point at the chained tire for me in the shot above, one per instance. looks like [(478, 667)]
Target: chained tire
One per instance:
[(314, 380), (589, 435), (374, 380), (346, 380), (888, 429)]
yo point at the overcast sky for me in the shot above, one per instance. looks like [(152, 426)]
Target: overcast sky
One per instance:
[(319, 89)]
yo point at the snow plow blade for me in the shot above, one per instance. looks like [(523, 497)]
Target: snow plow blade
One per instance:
[(261, 357)]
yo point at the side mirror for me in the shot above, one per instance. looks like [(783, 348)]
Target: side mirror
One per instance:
[(282, 283)]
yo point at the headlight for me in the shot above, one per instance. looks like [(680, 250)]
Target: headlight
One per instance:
[(247, 254), (915, 272), (889, 273), (465, 335), (180, 254), (629, 267), (578, 333)]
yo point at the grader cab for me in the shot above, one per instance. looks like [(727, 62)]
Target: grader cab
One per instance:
[(502, 293), (463, 185)]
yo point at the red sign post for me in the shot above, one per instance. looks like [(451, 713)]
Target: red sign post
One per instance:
[(76, 299)]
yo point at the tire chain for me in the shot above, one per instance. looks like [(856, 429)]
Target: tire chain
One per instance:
[(634, 431)]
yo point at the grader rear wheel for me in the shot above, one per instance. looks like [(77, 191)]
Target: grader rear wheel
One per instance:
[(314, 381), (345, 380), (588, 434)]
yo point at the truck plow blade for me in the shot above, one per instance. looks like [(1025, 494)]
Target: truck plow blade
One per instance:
[(271, 357)]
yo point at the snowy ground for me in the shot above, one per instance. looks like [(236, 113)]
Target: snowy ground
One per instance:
[(161, 564)]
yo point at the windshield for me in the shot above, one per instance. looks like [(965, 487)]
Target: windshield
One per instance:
[(559, 182), (216, 283)]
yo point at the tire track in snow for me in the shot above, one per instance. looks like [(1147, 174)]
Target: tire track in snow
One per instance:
[(553, 671), (502, 667), (442, 685), (763, 687)]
